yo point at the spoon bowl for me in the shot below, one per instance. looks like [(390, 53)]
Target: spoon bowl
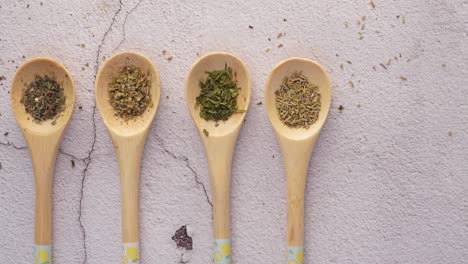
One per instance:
[(316, 75), (129, 139), (111, 68), (297, 144), (24, 75), (210, 62), (43, 140), (220, 142)]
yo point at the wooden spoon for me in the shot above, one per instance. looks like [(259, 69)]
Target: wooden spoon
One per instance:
[(129, 139), (43, 142), (220, 143), (297, 144)]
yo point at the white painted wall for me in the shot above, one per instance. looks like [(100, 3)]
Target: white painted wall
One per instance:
[(387, 183)]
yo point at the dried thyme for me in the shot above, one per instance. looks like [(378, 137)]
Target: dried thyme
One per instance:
[(298, 101), (218, 95), (129, 92), (43, 98)]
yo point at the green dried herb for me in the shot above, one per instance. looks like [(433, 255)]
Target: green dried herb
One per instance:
[(43, 98), (206, 132), (129, 92), (218, 96), (298, 101)]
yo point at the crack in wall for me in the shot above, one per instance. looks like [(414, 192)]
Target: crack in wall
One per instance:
[(186, 161), (124, 37), (87, 159)]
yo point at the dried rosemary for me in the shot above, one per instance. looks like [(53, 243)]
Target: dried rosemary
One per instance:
[(297, 101), (218, 96), (43, 98), (129, 92)]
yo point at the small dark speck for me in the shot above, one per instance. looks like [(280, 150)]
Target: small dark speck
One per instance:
[(80, 107), (284, 19), (269, 39), (273, 156), (259, 103), (29, 18), (341, 108), (2, 78), (280, 45), (27, 6), (24, 57), (41, 3), (167, 96), (6, 134), (251, 27), (0, 165), (73, 163)]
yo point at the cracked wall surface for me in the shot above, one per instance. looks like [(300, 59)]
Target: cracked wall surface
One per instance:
[(388, 181)]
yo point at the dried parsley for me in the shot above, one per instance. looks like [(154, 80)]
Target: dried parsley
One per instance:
[(218, 95), (129, 92), (297, 101), (43, 98)]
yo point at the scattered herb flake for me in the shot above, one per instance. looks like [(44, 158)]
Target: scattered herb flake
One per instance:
[(341, 108), (72, 163), (280, 45), (251, 27), (267, 50), (383, 66), (349, 62), (351, 83), (280, 35), (207, 134), (341, 66), (6, 134), (450, 133), (346, 24), (372, 4), (389, 60), (170, 58), (259, 103), (164, 52), (403, 78), (2, 78)]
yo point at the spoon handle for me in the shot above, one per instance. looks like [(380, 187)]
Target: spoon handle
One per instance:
[(296, 155), (43, 152), (129, 153), (219, 155)]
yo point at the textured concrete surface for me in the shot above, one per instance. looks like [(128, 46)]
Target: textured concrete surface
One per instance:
[(388, 181)]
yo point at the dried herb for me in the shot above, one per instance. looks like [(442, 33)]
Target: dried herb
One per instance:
[(182, 239), (372, 4), (72, 163), (170, 58), (129, 92), (218, 95), (340, 108), (259, 103), (2, 78), (297, 101), (43, 98), (251, 27), (280, 45), (206, 132), (403, 78)]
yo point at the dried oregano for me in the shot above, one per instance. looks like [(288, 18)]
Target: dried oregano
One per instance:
[(129, 92), (43, 98), (297, 101), (218, 96)]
